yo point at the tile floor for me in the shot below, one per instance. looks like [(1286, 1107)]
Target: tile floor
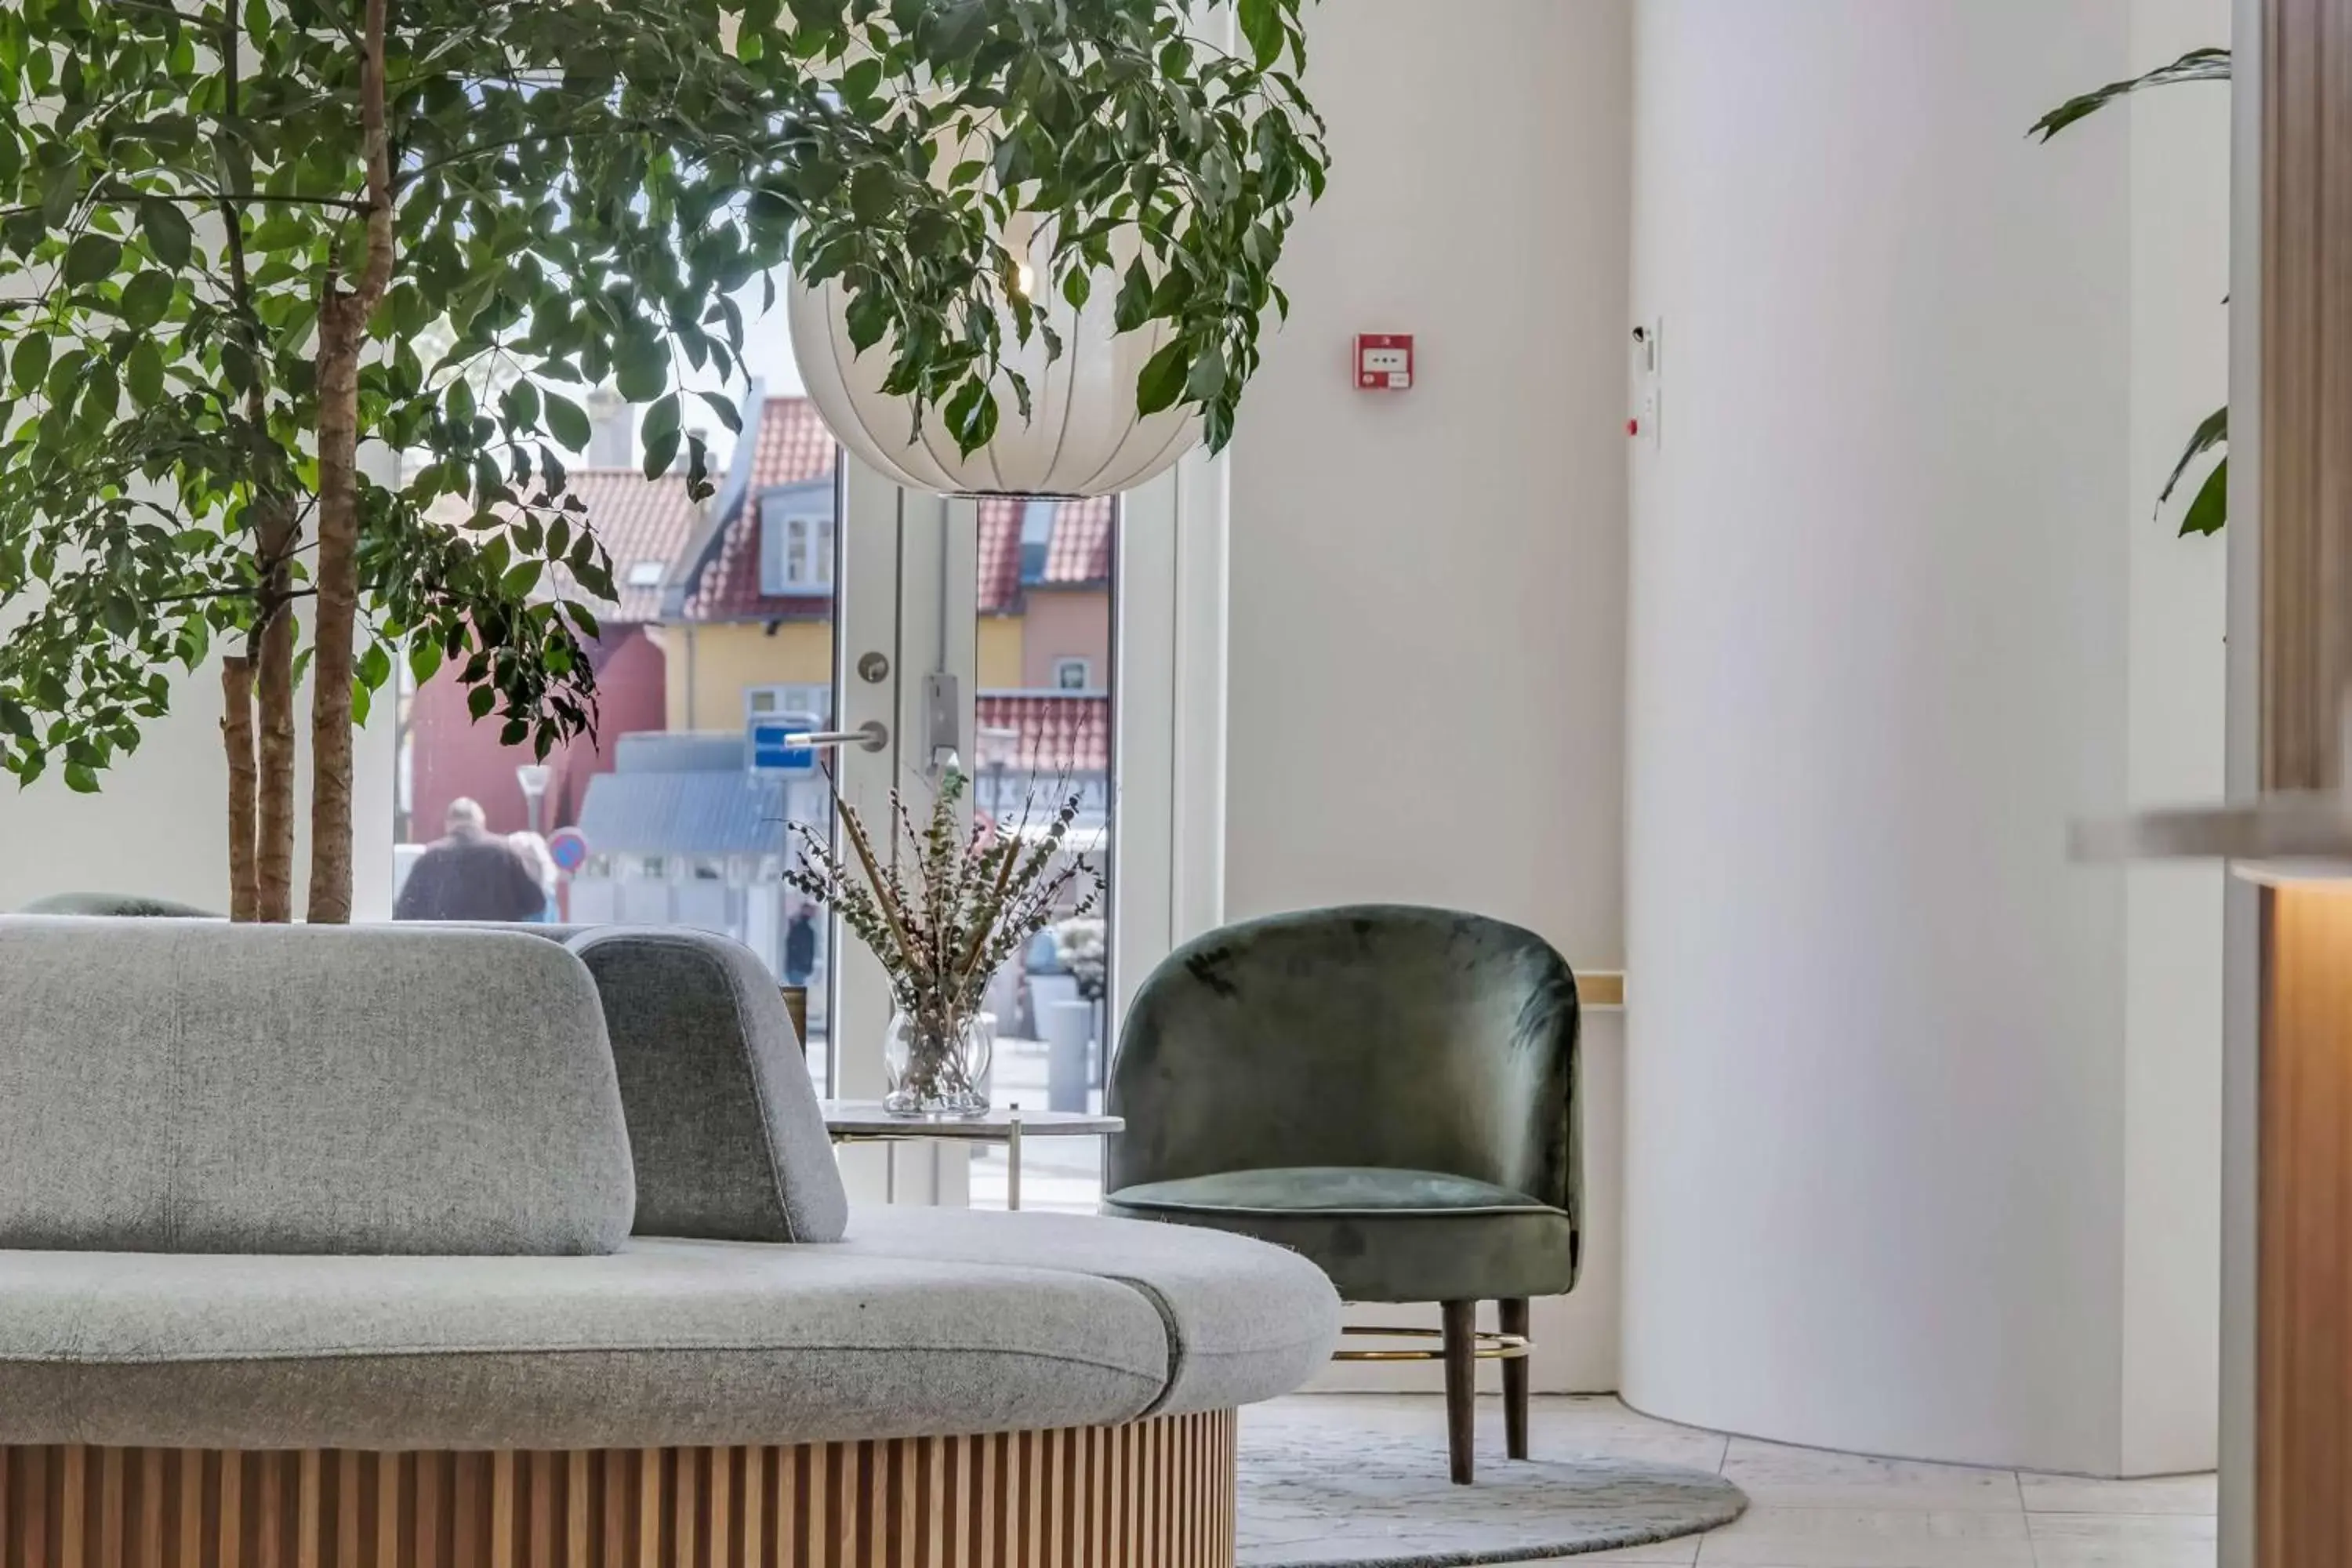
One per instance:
[(1814, 1510)]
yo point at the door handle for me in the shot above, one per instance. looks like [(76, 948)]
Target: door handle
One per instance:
[(871, 736)]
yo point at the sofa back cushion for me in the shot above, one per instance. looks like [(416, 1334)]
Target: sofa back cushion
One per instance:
[(185, 1087), (729, 1143)]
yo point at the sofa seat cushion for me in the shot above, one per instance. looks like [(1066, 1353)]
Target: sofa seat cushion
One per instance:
[(1244, 1321), (1381, 1235), (181, 1085), (662, 1343)]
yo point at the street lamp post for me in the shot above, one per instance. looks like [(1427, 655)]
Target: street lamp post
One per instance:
[(533, 777)]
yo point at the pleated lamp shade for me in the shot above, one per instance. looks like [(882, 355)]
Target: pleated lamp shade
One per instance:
[(1083, 438)]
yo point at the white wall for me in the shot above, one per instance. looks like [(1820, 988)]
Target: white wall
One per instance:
[(159, 826), (1426, 637), (2179, 151), (1915, 1163)]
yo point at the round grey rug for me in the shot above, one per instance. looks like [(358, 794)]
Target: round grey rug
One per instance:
[(1317, 1497)]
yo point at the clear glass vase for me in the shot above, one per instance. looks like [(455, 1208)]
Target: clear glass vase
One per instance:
[(938, 1068)]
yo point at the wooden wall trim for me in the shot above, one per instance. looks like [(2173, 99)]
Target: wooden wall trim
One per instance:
[(2306, 438), (2302, 1513), (1151, 1494)]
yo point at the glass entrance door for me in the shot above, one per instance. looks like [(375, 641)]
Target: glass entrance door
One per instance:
[(722, 635), (1002, 663), (808, 594)]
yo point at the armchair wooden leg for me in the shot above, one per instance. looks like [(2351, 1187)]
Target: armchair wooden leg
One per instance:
[(1461, 1386), (1515, 1380)]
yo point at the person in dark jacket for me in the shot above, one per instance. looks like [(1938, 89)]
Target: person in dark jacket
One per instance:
[(800, 946), (470, 874)]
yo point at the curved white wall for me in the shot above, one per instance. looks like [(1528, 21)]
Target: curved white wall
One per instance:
[(1891, 628)]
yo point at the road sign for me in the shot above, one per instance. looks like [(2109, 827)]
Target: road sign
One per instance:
[(568, 848), (771, 751)]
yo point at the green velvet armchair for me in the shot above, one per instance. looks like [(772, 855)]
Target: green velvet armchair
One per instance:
[(1390, 1091)]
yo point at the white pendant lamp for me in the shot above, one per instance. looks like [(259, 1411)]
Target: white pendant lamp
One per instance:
[(1083, 436)]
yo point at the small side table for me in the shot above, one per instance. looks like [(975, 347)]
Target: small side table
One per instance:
[(865, 1121)]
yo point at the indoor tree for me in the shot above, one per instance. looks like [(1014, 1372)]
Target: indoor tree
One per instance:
[(227, 227), (2208, 509)]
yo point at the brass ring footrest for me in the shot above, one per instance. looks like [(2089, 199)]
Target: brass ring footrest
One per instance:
[(1491, 1346)]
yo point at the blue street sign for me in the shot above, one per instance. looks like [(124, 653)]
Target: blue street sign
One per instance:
[(771, 751), (568, 848)]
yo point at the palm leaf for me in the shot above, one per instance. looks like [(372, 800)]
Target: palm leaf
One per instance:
[(2196, 65), (2210, 511), (2209, 435)]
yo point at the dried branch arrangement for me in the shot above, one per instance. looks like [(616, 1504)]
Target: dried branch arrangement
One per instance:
[(943, 907)]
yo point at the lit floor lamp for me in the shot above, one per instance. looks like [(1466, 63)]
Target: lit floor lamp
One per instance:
[(2293, 503)]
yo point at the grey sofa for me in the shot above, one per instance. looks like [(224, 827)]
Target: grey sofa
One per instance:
[(456, 1194)]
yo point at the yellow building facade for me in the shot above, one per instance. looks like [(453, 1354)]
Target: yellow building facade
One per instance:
[(709, 666)]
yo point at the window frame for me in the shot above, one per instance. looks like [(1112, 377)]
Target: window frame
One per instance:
[(797, 539)]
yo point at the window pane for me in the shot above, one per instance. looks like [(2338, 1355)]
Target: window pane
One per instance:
[(1044, 734), (662, 819)]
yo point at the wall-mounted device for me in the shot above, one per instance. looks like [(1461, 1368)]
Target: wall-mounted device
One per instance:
[(1649, 383), (1384, 362)]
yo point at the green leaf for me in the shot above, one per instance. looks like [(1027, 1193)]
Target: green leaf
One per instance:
[(147, 296), (869, 320), (642, 369), (1261, 23), (31, 364), (81, 778), (662, 419), (1134, 304), (91, 258), (60, 192), (169, 234), (660, 453), (873, 193), (567, 421), (143, 373), (521, 405), (2210, 513), (860, 80), (1206, 380), (971, 415), (1162, 381), (2196, 65), (374, 666), (481, 701), (2211, 433), (724, 408)]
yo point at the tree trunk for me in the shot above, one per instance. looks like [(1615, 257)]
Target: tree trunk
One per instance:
[(236, 736), (342, 338), (273, 878), (337, 614)]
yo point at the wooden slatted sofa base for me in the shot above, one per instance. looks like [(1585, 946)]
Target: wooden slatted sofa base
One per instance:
[(1147, 1494)]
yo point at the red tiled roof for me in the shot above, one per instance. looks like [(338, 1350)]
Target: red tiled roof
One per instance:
[(638, 521), (1057, 734), (641, 522), (1080, 551), (794, 447), (999, 557)]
